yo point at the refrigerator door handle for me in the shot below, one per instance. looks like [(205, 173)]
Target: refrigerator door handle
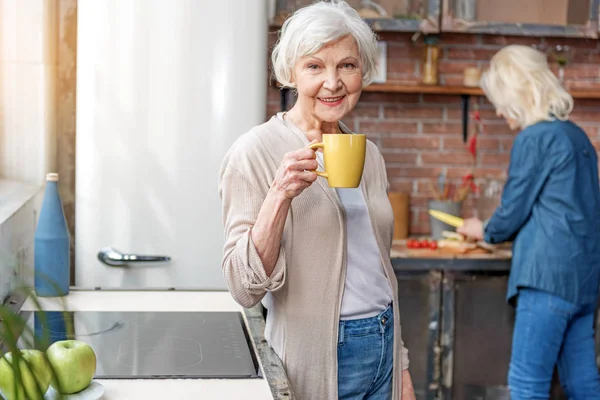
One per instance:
[(115, 258)]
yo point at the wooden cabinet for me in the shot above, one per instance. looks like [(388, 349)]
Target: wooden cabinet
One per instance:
[(382, 15), (566, 18)]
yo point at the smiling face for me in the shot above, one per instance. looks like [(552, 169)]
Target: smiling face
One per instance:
[(328, 82)]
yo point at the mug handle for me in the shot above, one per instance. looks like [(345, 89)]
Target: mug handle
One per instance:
[(314, 147)]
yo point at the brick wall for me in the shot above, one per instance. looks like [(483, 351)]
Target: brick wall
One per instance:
[(420, 135)]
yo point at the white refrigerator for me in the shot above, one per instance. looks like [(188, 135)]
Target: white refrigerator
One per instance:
[(164, 87)]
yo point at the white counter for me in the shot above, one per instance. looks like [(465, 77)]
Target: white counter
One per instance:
[(168, 389)]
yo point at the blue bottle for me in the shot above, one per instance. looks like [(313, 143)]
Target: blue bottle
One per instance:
[(52, 261)]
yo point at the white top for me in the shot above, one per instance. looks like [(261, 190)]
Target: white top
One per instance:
[(367, 291)]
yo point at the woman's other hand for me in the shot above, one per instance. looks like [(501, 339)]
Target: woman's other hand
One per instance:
[(295, 173), (472, 227)]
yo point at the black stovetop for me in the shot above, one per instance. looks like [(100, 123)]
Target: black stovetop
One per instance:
[(156, 344)]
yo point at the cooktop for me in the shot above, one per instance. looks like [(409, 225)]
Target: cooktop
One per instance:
[(158, 345)]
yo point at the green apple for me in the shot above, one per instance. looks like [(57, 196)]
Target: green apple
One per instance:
[(33, 386), (74, 365)]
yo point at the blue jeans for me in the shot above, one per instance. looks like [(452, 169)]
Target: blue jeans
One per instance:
[(365, 357), (550, 331)]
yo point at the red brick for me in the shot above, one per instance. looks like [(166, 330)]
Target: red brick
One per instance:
[(412, 172), (420, 201), (502, 41), (400, 158), (486, 115), (402, 66), (483, 143), (585, 115), (401, 185), (422, 228), (586, 103), (583, 84), (445, 158), (403, 51), (592, 131), (396, 38), (362, 110), (452, 80), (576, 43), (403, 79), (582, 72), (447, 128), (495, 159), (272, 109), (596, 144), (506, 144), (413, 142), (472, 53), (480, 172), (273, 93), (460, 38), (386, 127), (424, 186), (374, 137), (587, 56), (440, 99), (454, 67), (401, 111), (496, 129)]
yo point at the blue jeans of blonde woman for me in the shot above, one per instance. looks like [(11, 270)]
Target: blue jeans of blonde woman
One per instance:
[(550, 331), (365, 357)]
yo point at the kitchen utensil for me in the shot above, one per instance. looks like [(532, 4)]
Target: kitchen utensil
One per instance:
[(449, 219)]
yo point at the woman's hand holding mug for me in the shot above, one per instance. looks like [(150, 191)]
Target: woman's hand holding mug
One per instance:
[(296, 172)]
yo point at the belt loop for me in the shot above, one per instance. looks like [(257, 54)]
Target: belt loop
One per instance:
[(341, 333)]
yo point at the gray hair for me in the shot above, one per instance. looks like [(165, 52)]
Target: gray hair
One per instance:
[(520, 84), (311, 27)]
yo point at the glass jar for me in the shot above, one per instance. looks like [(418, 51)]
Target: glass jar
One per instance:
[(430, 60)]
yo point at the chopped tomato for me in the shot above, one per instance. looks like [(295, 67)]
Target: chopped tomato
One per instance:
[(433, 245)]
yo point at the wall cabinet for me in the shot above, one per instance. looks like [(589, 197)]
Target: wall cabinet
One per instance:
[(382, 15), (566, 18), (559, 18)]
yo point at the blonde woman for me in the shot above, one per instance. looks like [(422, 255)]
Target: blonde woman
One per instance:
[(318, 258), (550, 209)]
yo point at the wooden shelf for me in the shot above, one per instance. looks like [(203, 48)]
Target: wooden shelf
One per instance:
[(458, 90), (427, 89)]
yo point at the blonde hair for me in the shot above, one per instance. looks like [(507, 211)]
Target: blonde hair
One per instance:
[(522, 87), (311, 27)]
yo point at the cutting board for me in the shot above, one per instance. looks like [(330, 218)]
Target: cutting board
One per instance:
[(399, 250)]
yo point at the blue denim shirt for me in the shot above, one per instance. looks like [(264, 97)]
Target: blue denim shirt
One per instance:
[(550, 208)]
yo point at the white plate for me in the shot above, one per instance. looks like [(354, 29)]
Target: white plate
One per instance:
[(92, 392)]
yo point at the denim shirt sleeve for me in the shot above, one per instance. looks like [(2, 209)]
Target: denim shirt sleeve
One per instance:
[(527, 172)]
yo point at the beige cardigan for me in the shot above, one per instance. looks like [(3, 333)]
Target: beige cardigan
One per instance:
[(307, 283)]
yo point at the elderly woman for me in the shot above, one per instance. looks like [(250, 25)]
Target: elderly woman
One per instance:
[(551, 209), (317, 257)]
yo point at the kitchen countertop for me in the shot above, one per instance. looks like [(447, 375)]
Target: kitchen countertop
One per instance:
[(404, 259), (274, 386)]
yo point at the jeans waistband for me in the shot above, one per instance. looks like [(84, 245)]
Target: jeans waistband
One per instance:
[(383, 319)]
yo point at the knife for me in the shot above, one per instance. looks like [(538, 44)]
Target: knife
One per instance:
[(449, 219)]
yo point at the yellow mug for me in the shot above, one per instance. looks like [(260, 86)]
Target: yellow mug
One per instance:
[(344, 156)]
